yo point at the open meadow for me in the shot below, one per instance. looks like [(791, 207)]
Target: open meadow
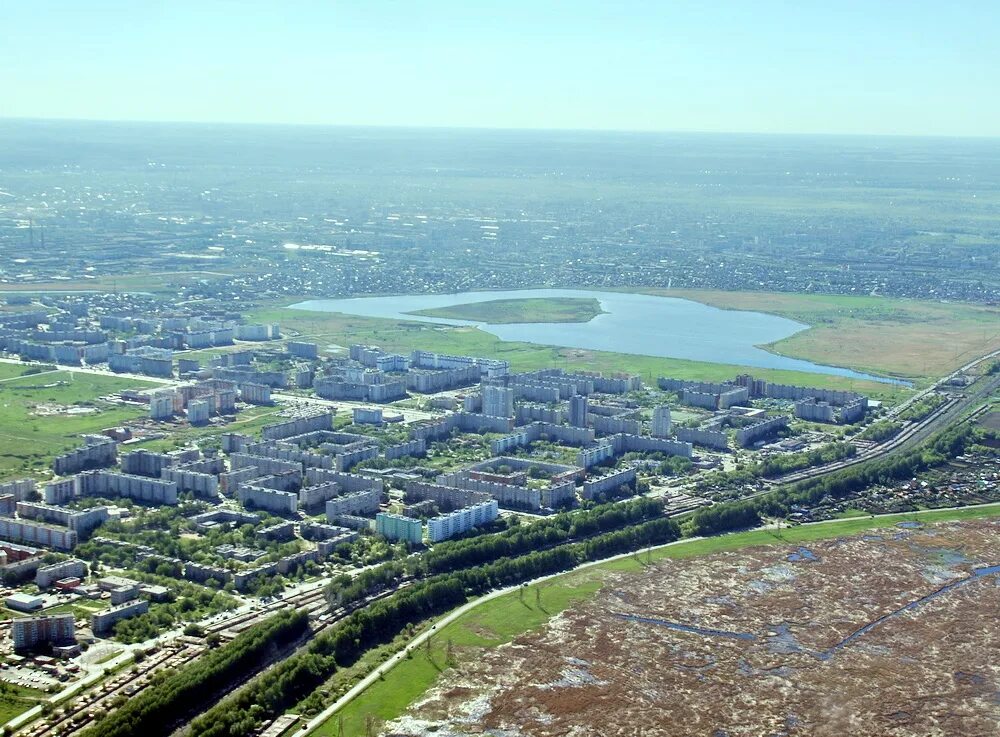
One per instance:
[(895, 337), (44, 414)]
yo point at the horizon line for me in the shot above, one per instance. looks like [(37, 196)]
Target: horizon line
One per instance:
[(473, 128)]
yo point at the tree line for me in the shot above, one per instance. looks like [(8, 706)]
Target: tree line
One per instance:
[(156, 710), (298, 677)]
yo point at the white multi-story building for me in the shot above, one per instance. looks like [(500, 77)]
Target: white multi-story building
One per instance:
[(461, 520), (498, 401)]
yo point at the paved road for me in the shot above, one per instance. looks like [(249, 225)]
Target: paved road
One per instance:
[(448, 619)]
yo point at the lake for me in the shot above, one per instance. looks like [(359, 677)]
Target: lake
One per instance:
[(641, 324)]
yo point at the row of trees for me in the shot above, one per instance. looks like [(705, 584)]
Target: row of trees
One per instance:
[(516, 540), (188, 690), (880, 430), (300, 676), (560, 528), (778, 465)]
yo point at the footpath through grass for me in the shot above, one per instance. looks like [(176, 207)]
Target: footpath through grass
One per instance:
[(504, 618)]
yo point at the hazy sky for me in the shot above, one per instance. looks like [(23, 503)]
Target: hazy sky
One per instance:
[(810, 66)]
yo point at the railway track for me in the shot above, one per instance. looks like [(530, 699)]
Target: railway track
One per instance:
[(99, 700), (942, 416)]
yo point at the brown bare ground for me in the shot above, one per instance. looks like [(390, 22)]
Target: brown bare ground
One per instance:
[(764, 659)]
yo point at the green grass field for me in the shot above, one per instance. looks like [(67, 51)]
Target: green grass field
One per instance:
[(12, 370), (895, 337), (503, 619), (501, 311), (330, 328), (29, 439), (15, 700)]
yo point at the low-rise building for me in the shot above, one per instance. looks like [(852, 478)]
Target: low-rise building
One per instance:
[(102, 622)]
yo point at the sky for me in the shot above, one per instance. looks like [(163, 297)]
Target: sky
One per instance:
[(917, 67)]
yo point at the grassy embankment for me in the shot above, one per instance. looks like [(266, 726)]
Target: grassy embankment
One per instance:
[(29, 437), (13, 370), (504, 618), (15, 700), (894, 337), (335, 329), (502, 311)]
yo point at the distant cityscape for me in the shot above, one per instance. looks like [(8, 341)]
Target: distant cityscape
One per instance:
[(767, 222)]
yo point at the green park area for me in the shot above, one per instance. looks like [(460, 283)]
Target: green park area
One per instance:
[(502, 311), (335, 331), (10, 371), (44, 414), (500, 620), (893, 337)]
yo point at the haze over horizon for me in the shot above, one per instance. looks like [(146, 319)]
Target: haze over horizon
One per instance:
[(889, 69)]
